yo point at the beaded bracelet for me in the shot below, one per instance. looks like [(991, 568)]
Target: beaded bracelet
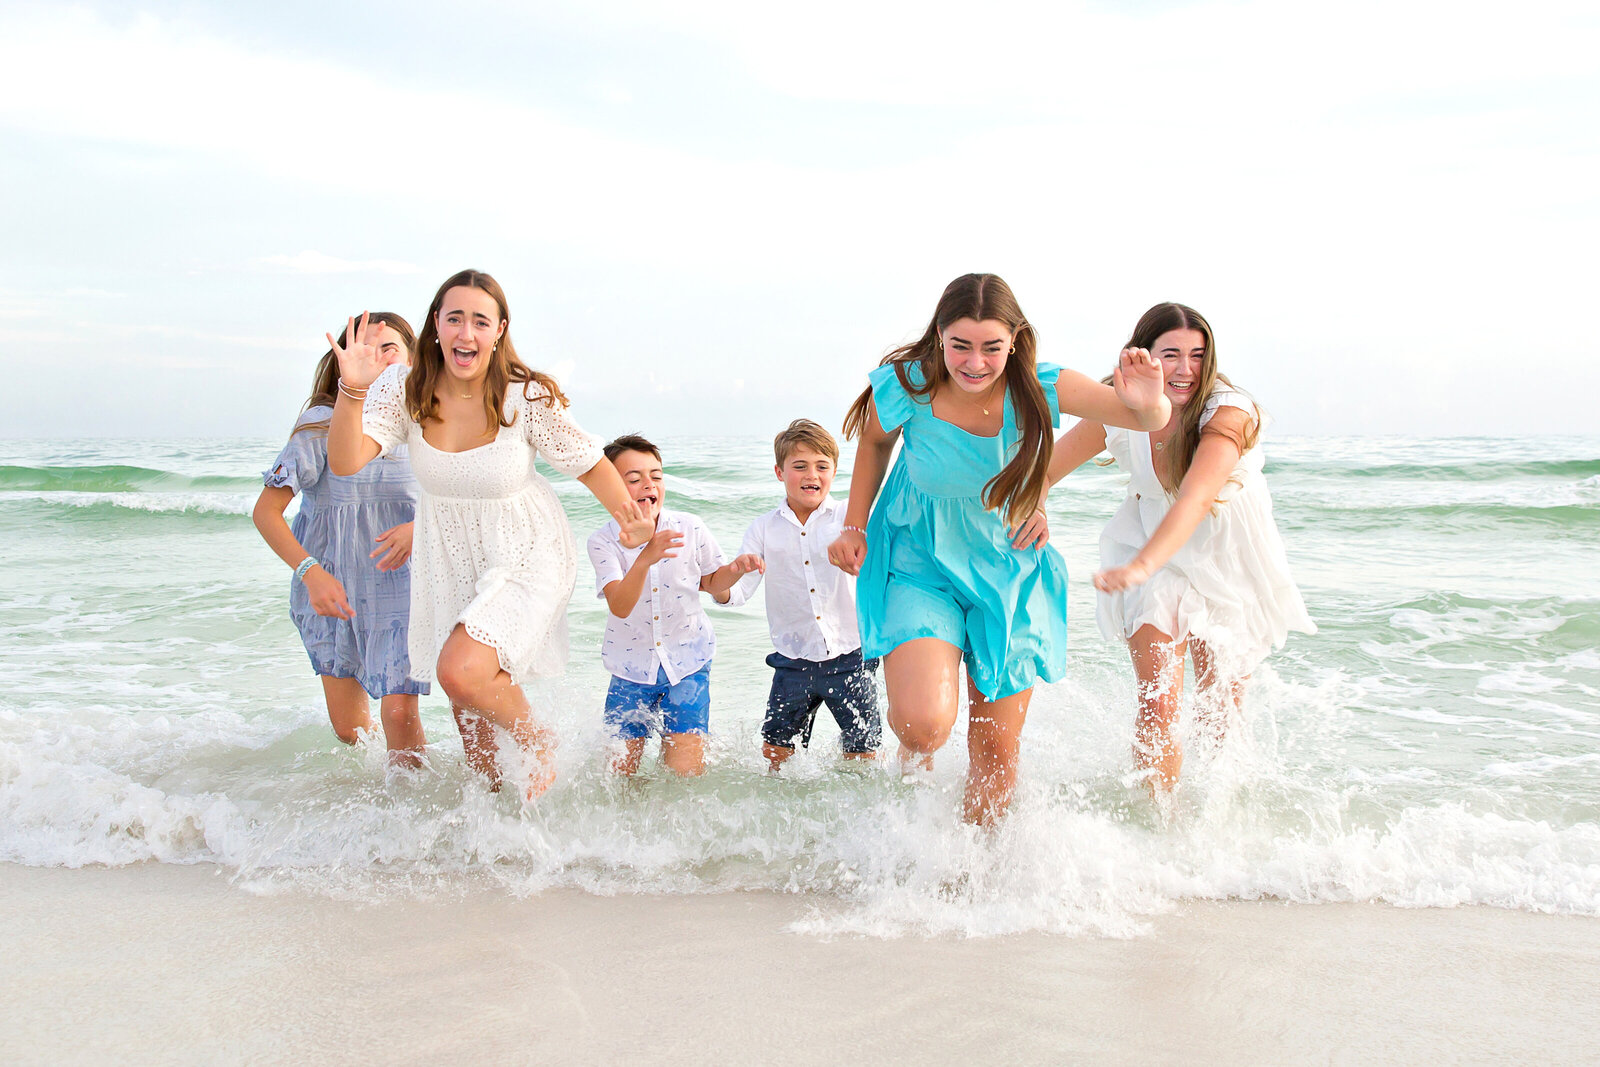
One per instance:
[(305, 565), (857, 529)]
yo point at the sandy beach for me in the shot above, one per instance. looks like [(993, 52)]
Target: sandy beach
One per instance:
[(165, 964)]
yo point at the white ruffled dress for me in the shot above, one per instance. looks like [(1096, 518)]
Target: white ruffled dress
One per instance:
[(492, 549), (1229, 585)]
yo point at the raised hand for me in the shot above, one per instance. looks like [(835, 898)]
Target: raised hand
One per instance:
[(394, 544), (1033, 532), (636, 527), (849, 551), (661, 546), (1138, 383), (1119, 578), (360, 361), (746, 563), (327, 594)]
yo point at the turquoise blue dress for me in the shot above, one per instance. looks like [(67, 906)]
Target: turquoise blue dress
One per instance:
[(940, 565)]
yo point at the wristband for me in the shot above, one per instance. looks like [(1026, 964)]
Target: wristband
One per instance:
[(857, 529), (305, 565)]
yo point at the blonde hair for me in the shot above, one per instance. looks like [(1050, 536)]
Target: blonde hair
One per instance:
[(803, 433)]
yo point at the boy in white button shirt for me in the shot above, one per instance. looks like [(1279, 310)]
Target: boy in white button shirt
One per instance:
[(811, 605), (658, 643)]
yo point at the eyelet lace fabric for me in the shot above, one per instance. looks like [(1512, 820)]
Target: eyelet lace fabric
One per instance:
[(492, 550)]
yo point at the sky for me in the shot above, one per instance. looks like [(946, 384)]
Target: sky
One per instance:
[(714, 217)]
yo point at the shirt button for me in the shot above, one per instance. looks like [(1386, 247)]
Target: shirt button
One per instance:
[(802, 533), (653, 589), (658, 644), (656, 617), (819, 616), (808, 563), (813, 590)]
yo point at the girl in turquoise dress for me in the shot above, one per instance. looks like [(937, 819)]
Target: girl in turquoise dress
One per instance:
[(951, 566)]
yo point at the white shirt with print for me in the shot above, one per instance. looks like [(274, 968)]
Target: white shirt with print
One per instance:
[(668, 626), (811, 604)]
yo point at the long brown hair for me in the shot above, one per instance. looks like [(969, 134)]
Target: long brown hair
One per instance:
[(427, 366), (1181, 446), (325, 383), (1016, 491)]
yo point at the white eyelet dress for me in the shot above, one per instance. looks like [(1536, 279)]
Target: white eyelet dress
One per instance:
[(492, 549), (1229, 585)]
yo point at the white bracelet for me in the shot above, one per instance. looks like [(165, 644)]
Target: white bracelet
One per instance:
[(857, 529), (305, 566)]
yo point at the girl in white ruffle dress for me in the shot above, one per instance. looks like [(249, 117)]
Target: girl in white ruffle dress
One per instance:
[(1192, 561), (493, 560)]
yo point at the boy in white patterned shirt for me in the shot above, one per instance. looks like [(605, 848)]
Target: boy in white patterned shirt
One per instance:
[(811, 605), (658, 642)]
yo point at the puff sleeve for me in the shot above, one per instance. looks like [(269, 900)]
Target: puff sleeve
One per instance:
[(548, 426), (383, 416), (304, 460), (1048, 373), (895, 405)]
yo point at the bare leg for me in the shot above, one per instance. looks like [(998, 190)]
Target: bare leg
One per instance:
[(1221, 698), (402, 729), (477, 739), (994, 739), (775, 755), (627, 761), (921, 677), (684, 754), (469, 671), (1158, 664), (348, 710)]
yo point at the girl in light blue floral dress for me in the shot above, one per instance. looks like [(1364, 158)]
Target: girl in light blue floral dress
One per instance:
[(953, 566), (349, 546)]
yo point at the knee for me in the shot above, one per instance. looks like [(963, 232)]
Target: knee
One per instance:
[(921, 733), (399, 717), (461, 681)]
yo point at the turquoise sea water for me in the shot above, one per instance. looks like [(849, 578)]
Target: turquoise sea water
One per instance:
[(1438, 742)]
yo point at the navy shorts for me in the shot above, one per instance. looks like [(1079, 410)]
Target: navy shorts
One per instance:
[(635, 711), (844, 683)]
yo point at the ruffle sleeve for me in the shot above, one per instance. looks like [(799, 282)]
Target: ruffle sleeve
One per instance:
[(1048, 373), (548, 426), (895, 405), (383, 416), (304, 460)]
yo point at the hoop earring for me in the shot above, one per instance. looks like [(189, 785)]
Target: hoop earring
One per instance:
[(1013, 351)]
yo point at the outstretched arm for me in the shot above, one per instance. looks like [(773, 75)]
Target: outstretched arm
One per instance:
[(606, 484), (1134, 399), (720, 582), (1072, 450), (1075, 448), (623, 596), (866, 478), (1214, 460)]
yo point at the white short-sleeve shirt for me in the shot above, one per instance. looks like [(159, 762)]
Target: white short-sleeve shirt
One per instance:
[(811, 604), (668, 627)]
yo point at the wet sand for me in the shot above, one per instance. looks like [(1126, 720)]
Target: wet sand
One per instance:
[(168, 964)]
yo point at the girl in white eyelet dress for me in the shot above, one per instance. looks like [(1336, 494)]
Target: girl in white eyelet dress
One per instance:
[(493, 560), (1192, 561)]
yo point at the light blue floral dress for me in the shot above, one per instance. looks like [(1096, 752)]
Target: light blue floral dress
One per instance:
[(339, 521), (939, 564)]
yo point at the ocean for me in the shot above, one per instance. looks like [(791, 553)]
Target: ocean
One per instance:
[(1437, 743)]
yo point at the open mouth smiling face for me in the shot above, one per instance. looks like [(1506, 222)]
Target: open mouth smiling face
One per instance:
[(807, 476), (641, 473), (1182, 354), (469, 326), (975, 353)]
